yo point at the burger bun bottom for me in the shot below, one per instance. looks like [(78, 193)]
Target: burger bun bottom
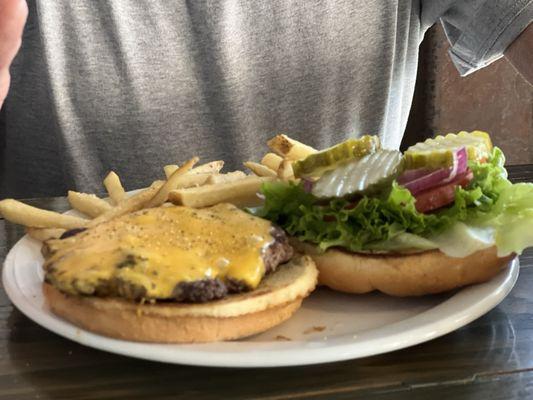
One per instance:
[(414, 274), (275, 300)]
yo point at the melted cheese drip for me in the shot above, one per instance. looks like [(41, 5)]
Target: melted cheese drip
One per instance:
[(161, 247)]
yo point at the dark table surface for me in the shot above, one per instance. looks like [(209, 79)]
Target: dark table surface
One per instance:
[(491, 358)]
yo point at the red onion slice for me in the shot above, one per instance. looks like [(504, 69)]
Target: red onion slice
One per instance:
[(412, 174), (460, 158), (427, 181), (418, 180), (308, 185)]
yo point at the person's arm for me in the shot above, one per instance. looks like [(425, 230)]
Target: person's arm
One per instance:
[(482, 31), (520, 54), (13, 14)]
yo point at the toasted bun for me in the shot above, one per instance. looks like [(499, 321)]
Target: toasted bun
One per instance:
[(402, 274), (277, 297)]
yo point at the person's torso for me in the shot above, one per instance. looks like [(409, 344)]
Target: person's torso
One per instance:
[(131, 86)]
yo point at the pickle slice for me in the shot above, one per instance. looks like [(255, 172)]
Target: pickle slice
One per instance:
[(316, 164), (438, 152), (370, 174)]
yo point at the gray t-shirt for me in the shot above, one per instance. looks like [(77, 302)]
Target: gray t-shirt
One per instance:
[(130, 85)]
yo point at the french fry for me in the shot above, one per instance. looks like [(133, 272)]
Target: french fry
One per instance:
[(285, 171), (44, 234), (260, 169), (212, 167), (191, 180), (171, 183), (23, 214), (228, 177), (114, 187), (272, 161), (289, 148), (131, 204), (88, 204), (241, 193), (170, 169)]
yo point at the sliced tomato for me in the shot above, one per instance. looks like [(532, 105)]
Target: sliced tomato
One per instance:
[(443, 195), (351, 206)]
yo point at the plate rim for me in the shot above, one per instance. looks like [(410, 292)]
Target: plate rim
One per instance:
[(417, 330)]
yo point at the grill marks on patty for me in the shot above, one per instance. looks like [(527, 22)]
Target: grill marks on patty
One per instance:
[(277, 252), (200, 291)]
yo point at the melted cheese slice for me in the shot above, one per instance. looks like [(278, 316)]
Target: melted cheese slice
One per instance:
[(158, 248)]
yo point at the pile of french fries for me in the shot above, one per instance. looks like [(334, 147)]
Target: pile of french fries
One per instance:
[(187, 185), (278, 164)]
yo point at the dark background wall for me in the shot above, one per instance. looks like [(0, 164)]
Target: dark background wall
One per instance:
[(495, 99)]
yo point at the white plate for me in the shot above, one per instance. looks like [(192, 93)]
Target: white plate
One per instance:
[(329, 327)]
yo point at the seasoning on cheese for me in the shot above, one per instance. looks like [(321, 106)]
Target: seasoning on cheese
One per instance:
[(156, 249)]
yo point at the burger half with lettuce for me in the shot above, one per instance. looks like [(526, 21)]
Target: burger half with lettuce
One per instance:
[(440, 216)]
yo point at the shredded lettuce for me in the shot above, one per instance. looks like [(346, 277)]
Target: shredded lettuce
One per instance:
[(390, 222)]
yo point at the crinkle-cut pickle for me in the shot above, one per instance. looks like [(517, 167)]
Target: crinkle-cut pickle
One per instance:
[(370, 174), (439, 152), (318, 163)]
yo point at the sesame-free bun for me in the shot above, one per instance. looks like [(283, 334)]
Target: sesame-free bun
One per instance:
[(277, 297), (414, 274)]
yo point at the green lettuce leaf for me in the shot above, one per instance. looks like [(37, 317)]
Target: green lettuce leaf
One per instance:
[(369, 224), (403, 242), (461, 240), (512, 219), (390, 221)]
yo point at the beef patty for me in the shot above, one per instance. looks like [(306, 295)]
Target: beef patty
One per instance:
[(277, 252)]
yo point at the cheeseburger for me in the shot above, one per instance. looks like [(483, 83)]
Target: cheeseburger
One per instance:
[(177, 274), (440, 216)]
